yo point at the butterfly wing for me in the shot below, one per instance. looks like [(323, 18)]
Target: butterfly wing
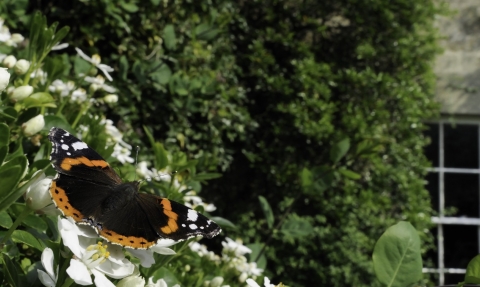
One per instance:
[(174, 220), (84, 178), (73, 157)]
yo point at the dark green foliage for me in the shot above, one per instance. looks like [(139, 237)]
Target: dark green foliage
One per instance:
[(264, 89)]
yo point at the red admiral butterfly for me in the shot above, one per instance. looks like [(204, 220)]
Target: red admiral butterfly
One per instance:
[(87, 189)]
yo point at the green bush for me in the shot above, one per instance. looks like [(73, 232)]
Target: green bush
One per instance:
[(315, 105)]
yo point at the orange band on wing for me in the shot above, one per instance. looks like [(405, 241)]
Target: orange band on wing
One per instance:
[(172, 225), (67, 163), (127, 241), (61, 201)]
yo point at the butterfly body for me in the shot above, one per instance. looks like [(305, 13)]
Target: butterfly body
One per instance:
[(89, 190)]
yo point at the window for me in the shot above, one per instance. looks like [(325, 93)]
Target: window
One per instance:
[(453, 182)]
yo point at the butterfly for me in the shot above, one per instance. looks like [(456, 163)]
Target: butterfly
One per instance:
[(88, 190)]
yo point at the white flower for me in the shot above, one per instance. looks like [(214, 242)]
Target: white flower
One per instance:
[(48, 278), (92, 259), (4, 79), (146, 255), (15, 39), (20, 93), (79, 95), (203, 251), (266, 283), (216, 281), (4, 32), (98, 82), (39, 74), (64, 89), (39, 192), (136, 280), (143, 171), (122, 154), (192, 201), (235, 247), (9, 61), (21, 67), (95, 60), (33, 125)]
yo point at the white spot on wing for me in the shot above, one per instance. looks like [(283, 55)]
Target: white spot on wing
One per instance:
[(193, 226), (66, 134), (192, 215), (64, 147), (69, 153), (79, 145), (183, 225)]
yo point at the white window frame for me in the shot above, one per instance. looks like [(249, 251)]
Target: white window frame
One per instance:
[(442, 220)]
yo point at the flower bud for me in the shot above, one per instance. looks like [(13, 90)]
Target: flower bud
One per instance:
[(21, 67), (111, 98), (39, 192), (216, 281), (9, 61), (4, 78), (17, 38), (33, 125), (21, 93)]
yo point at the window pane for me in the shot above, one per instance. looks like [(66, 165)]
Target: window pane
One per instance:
[(460, 245), (461, 146), (432, 187), (461, 192), (432, 150)]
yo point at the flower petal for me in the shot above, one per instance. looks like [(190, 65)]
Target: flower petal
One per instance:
[(47, 261), (116, 271), (116, 253), (163, 250), (100, 279), (79, 272), (45, 279), (145, 256), (83, 55), (252, 283), (68, 231)]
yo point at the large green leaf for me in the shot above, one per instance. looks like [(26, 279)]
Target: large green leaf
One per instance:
[(3, 153), (22, 236), (472, 275), (10, 271), (397, 257), (223, 222), (5, 220), (256, 249)]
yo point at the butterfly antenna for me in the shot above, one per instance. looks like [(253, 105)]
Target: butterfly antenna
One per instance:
[(136, 160)]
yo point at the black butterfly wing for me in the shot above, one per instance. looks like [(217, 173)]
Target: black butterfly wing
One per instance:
[(84, 178), (174, 220), (73, 157)]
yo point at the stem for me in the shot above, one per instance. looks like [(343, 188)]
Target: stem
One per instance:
[(14, 226), (79, 115)]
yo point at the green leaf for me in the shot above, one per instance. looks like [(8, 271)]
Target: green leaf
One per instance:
[(165, 274), (4, 135), (8, 114), (161, 158), (129, 7), (3, 153), (206, 32), (5, 220), (35, 222), (296, 227), (350, 174), (256, 248), (472, 276), (155, 2), (55, 121), (267, 211), (162, 75), (10, 271), (397, 257), (123, 65), (223, 222), (306, 178), (12, 197), (39, 100), (339, 150), (21, 236), (169, 38), (10, 178)]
